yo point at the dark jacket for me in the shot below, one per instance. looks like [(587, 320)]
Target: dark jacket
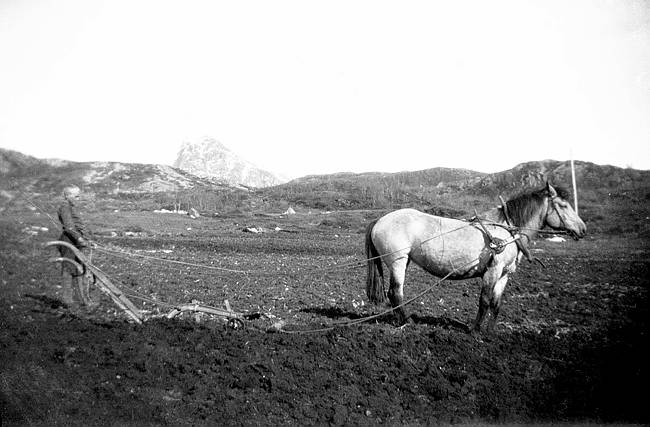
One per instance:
[(73, 230)]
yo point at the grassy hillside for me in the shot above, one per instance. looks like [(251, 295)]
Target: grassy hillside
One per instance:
[(369, 190), (611, 199)]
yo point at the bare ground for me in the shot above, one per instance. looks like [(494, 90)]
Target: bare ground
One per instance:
[(570, 345)]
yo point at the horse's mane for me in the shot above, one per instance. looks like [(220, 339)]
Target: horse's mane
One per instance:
[(523, 207)]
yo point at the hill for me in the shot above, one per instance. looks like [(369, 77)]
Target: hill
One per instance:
[(381, 190), (372, 189), (113, 184), (610, 198), (47, 175)]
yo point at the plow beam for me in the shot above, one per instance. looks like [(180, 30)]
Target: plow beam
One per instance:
[(102, 281)]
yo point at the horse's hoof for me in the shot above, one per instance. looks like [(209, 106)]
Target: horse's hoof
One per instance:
[(477, 335), (92, 308), (402, 320), (73, 305), (407, 322)]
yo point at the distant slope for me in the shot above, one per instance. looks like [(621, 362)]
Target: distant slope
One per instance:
[(590, 177), (340, 190), (371, 189), (13, 162), (611, 199), (606, 193), (26, 173)]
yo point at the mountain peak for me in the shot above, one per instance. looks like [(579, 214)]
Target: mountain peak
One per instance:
[(211, 158)]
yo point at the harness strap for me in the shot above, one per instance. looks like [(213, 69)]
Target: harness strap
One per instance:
[(496, 245)]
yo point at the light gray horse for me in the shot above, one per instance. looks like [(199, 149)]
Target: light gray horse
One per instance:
[(458, 249)]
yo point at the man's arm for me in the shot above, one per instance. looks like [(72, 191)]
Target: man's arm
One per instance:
[(69, 225)]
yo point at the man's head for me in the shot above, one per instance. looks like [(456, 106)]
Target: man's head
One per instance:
[(71, 192)]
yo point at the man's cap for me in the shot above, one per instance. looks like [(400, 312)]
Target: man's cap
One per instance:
[(71, 191)]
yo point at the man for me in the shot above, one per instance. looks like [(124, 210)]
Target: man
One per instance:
[(75, 233)]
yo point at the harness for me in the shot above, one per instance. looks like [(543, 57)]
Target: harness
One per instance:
[(497, 245)]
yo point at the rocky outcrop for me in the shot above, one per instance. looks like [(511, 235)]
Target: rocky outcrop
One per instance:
[(210, 158)]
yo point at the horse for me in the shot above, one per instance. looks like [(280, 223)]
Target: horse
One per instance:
[(458, 249)]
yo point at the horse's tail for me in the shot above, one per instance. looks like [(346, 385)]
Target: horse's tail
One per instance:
[(375, 280)]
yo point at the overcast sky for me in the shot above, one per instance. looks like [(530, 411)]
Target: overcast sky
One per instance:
[(304, 87)]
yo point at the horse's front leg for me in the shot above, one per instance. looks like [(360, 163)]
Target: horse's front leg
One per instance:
[(483, 303), (491, 291), (495, 301)]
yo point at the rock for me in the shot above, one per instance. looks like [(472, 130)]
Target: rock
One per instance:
[(210, 158)]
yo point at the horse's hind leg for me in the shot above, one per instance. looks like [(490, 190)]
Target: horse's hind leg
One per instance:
[(396, 291)]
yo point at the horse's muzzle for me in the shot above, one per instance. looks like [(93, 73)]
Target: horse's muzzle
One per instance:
[(579, 233)]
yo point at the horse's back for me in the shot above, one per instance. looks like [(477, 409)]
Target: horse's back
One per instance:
[(414, 218), (404, 228)]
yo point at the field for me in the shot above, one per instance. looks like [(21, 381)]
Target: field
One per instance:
[(570, 345)]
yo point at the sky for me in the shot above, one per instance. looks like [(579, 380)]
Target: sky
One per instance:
[(309, 87)]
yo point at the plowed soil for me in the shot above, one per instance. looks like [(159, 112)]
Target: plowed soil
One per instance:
[(570, 345)]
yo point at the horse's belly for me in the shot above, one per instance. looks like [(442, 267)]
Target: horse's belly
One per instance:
[(457, 261)]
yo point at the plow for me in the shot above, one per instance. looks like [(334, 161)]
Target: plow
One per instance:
[(84, 266)]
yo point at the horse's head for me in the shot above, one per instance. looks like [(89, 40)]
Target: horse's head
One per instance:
[(561, 216)]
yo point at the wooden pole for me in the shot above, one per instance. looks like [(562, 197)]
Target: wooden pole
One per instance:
[(575, 187), (201, 309)]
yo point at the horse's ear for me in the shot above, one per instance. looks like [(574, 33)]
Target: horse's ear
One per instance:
[(551, 191)]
